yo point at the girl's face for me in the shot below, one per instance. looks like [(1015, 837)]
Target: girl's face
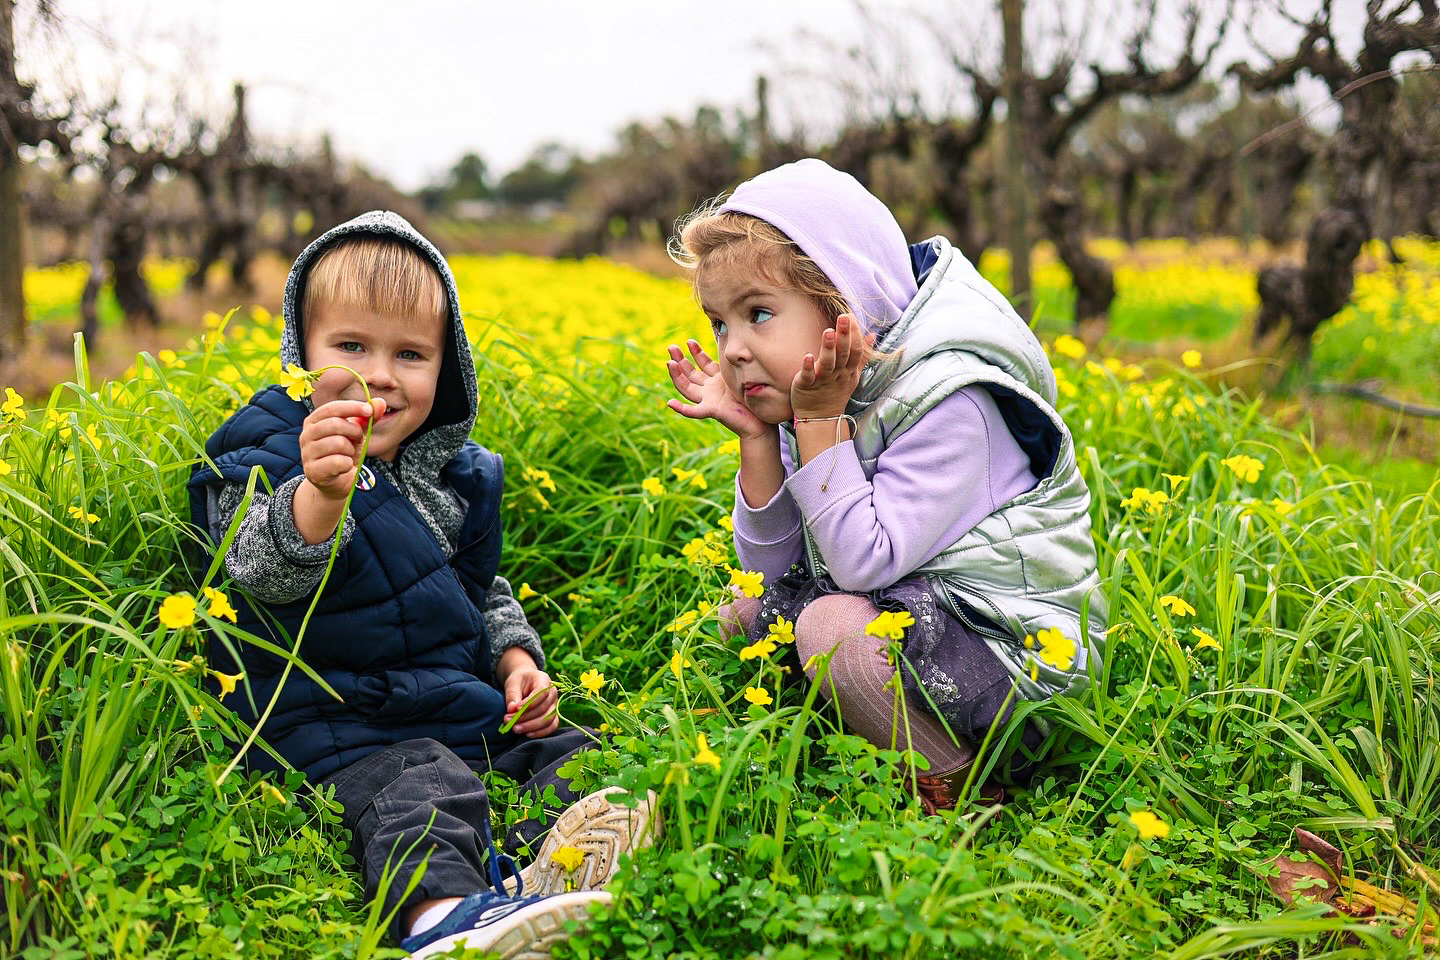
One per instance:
[(762, 333)]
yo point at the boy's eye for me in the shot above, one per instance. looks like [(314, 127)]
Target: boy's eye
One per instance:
[(760, 315), (717, 327), (409, 355), (350, 346)]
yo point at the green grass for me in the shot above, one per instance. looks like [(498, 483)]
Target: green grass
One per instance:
[(1318, 710)]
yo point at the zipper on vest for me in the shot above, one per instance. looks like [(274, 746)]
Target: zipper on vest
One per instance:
[(973, 619)]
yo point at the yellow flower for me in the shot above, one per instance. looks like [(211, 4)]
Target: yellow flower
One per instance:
[(704, 552), (693, 477), (782, 631), (1204, 639), (1068, 346), (726, 523), (703, 753), (1175, 480), (14, 405), (592, 680), (79, 514), (169, 357), (678, 663), (1282, 507), (730, 447), (259, 314), (758, 696), (890, 625), (683, 622), (526, 592), (1056, 649), (760, 648), (541, 478), (568, 858), (1152, 501), (297, 381), (1191, 358), (227, 682), (653, 486), (55, 418), (1148, 825), (1177, 606), (270, 790), (748, 583), (631, 390), (1246, 468), (219, 604), (178, 611), (4, 468)]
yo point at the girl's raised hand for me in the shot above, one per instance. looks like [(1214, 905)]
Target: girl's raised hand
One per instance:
[(824, 384), (699, 381)]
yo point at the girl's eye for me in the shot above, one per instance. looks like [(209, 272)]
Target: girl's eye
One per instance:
[(350, 346), (761, 314), (718, 327)]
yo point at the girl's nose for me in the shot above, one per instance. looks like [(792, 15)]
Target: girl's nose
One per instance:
[(736, 349)]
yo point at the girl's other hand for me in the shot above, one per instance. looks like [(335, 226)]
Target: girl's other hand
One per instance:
[(824, 384), (699, 381)]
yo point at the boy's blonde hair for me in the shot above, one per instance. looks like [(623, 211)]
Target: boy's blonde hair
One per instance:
[(709, 239), (389, 277)]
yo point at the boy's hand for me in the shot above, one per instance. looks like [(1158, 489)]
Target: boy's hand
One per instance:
[(710, 398), (824, 384), (530, 695), (330, 444)]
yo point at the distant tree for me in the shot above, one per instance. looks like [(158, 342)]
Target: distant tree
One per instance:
[(548, 175), (470, 179)]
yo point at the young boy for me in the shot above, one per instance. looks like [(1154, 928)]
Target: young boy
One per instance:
[(415, 629)]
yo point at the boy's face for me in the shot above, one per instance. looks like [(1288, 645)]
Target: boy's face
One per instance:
[(398, 357)]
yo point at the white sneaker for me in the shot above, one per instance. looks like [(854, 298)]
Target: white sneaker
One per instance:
[(515, 928), (601, 830)]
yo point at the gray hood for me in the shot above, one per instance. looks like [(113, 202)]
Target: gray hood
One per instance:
[(439, 438)]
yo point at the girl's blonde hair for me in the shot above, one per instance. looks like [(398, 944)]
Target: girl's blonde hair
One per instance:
[(709, 239), (388, 277)]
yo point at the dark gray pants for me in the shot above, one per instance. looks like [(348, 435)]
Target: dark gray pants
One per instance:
[(418, 798)]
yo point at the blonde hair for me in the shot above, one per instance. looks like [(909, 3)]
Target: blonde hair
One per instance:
[(711, 239), (387, 276)]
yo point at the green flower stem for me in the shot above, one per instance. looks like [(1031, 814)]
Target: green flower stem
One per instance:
[(324, 579)]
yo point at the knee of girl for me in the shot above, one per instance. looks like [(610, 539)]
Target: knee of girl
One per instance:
[(737, 616)]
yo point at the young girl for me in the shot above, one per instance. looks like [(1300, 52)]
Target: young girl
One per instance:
[(899, 450)]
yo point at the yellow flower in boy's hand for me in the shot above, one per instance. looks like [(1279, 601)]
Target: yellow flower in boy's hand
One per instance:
[(526, 592), (758, 696), (568, 858), (297, 381), (220, 605), (1177, 606), (1246, 468), (891, 625), (1056, 649), (592, 680), (227, 682), (1148, 825), (703, 753), (747, 583), (178, 611), (14, 405)]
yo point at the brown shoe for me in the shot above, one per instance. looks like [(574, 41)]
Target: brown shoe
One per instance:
[(942, 791)]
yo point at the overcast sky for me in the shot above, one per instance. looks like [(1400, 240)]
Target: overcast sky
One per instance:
[(407, 87)]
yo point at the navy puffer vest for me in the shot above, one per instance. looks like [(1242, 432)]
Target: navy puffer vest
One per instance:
[(398, 631)]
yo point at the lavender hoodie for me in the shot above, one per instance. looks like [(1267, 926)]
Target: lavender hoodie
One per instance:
[(957, 465)]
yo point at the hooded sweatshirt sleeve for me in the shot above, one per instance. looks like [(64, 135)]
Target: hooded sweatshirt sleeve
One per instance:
[(268, 556)]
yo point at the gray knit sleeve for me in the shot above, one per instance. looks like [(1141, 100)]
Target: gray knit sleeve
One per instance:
[(268, 556), (505, 621)]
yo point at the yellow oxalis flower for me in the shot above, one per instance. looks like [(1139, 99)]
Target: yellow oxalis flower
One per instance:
[(730, 447), (1204, 639), (1282, 507), (1152, 501), (1148, 825), (14, 405), (693, 477), (1068, 346), (79, 514), (219, 604), (297, 381), (703, 551), (760, 648), (1177, 606), (747, 582), (55, 418), (782, 631), (178, 611), (568, 858), (4, 468), (526, 592), (679, 662), (891, 625), (758, 696), (1246, 468), (227, 682), (1175, 480), (1056, 649), (1191, 358), (592, 680), (270, 790), (653, 486), (541, 478), (683, 622), (703, 753)]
